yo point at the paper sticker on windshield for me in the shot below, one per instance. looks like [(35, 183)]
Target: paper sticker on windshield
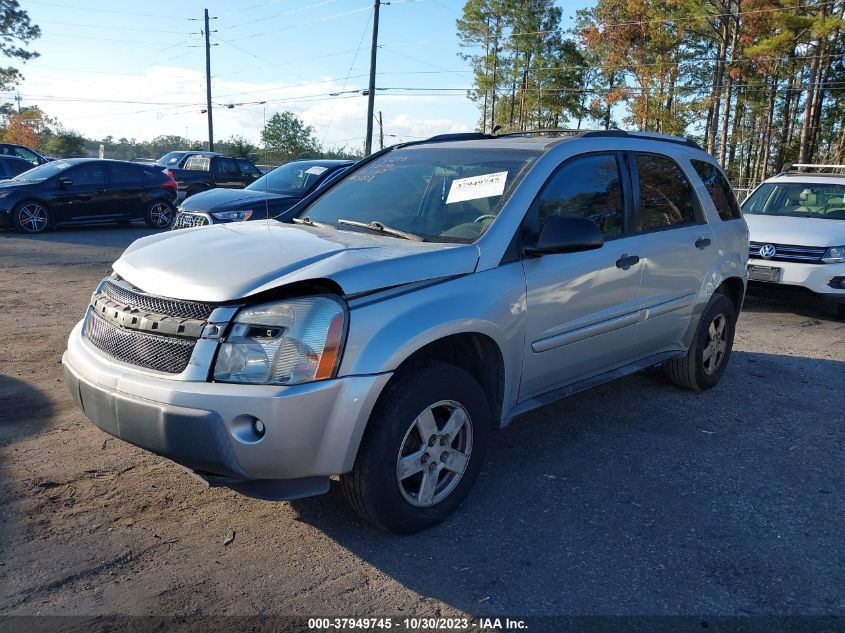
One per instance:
[(477, 187), (316, 170)]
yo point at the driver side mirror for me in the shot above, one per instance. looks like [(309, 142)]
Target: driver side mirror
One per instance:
[(64, 181), (562, 234)]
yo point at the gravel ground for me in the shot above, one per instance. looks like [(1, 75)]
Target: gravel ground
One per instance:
[(633, 498)]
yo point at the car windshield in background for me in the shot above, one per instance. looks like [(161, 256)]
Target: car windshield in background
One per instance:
[(43, 172), (441, 194), (801, 200), (293, 179)]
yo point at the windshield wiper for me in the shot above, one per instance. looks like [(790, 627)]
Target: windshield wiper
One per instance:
[(381, 228), (310, 222)]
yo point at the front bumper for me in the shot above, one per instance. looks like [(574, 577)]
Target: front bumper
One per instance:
[(817, 278), (312, 430)]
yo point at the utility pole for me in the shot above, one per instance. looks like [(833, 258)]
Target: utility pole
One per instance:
[(18, 99), (371, 93), (208, 85), (380, 132)]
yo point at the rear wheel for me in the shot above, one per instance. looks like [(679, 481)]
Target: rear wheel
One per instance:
[(31, 217), (422, 451), (160, 214), (710, 350)]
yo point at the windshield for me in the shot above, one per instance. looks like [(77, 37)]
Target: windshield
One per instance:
[(43, 172), (800, 200), (170, 159), (441, 194), (293, 179)]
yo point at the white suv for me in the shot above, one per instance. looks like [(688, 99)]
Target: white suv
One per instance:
[(797, 225)]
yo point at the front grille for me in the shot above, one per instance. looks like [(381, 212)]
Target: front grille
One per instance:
[(151, 303), (189, 220), (160, 353), (788, 253)]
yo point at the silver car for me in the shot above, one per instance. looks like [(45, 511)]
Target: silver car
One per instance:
[(385, 326)]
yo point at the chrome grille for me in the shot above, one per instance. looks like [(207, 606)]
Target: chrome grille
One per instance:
[(160, 353), (151, 303), (788, 252), (189, 220)]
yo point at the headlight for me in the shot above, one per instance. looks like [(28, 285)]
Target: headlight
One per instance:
[(834, 255), (233, 216), (283, 343)]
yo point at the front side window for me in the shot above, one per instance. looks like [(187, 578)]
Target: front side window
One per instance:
[(440, 193), (666, 196), (719, 189), (588, 187), (88, 175), (797, 199), (248, 168), (226, 167)]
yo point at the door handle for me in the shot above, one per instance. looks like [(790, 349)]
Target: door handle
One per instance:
[(626, 261), (703, 242)]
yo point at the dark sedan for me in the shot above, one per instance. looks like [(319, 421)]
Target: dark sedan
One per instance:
[(267, 197), (87, 191)]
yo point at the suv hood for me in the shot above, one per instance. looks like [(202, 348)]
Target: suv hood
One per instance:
[(229, 200), (227, 262), (798, 231)]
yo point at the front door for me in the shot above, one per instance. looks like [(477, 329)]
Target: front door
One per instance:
[(582, 308), (83, 196)]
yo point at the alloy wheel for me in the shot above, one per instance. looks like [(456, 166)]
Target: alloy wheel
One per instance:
[(434, 453), (161, 214), (717, 344), (33, 217)]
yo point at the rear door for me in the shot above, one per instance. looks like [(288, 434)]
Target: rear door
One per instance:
[(582, 308), (677, 247), (127, 191)]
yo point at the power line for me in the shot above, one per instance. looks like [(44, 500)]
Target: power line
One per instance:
[(301, 24), (288, 12), (99, 10)]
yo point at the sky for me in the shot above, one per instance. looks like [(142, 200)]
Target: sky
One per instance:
[(137, 69)]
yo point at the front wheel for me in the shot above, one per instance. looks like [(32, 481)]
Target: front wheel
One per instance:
[(422, 450), (31, 217), (710, 350), (160, 214)]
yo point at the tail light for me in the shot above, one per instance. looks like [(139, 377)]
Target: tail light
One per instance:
[(171, 181)]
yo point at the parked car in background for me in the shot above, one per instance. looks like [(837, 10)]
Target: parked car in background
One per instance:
[(382, 329), (87, 191), (176, 160), (27, 154), (11, 166), (267, 197), (202, 172), (797, 225)]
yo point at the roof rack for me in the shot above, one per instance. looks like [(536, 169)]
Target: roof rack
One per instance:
[(803, 168), (611, 133)]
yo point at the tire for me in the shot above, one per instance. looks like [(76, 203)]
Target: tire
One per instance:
[(31, 217), (710, 350), (160, 214), (395, 432)]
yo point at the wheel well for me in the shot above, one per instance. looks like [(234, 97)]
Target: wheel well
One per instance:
[(733, 289), (478, 355)]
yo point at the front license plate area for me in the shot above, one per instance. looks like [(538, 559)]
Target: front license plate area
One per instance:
[(764, 273)]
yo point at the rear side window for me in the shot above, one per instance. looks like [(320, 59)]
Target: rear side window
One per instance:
[(719, 189), (89, 174), (588, 187), (126, 174), (666, 196)]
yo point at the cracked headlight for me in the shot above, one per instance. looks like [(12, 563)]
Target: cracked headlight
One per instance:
[(283, 343), (233, 216)]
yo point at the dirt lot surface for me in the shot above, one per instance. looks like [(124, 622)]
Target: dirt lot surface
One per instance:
[(633, 498)]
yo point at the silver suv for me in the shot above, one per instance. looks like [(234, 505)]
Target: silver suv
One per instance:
[(385, 325)]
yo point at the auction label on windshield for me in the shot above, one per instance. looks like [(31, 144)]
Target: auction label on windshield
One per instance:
[(477, 187)]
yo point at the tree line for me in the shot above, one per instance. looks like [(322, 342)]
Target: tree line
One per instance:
[(757, 83)]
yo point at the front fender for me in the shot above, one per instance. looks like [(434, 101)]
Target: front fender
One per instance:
[(386, 329)]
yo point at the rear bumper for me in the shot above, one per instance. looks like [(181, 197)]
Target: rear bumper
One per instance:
[(312, 431)]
